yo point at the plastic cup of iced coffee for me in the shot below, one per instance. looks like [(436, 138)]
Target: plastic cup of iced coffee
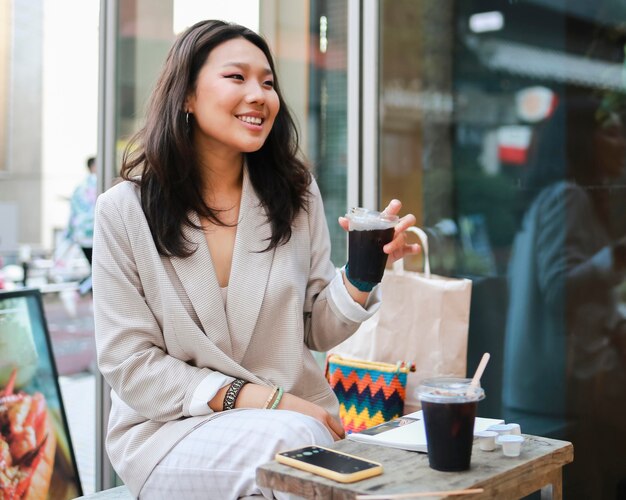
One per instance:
[(369, 232), (449, 408)]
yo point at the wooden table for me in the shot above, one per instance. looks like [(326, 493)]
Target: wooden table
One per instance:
[(539, 467)]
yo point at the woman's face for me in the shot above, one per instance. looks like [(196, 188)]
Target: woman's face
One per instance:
[(234, 102)]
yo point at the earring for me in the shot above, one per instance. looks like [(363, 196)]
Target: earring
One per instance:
[(187, 121)]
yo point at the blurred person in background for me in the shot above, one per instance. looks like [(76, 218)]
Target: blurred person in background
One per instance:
[(565, 356), (82, 205)]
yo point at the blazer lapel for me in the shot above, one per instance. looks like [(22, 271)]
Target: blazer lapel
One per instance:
[(197, 276), (250, 269)]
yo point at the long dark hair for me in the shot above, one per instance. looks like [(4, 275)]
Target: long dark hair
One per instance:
[(161, 158)]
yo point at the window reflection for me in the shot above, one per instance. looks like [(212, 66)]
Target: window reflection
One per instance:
[(564, 370), (327, 113), (309, 41), (475, 95)]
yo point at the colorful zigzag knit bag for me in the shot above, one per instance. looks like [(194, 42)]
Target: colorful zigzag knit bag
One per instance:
[(369, 392)]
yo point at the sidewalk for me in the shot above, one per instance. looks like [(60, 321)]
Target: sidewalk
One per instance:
[(70, 322), (79, 400)]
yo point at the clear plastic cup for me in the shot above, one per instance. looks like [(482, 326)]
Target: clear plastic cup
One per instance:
[(369, 232), (449, 407)]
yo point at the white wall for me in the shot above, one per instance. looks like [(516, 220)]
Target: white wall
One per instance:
[(70, 103), (188, 12)]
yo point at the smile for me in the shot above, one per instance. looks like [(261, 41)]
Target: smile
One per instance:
[(253, 120)]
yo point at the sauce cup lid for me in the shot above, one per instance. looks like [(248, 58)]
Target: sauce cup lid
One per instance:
[(485, 434), (500, 428), (509, 438)]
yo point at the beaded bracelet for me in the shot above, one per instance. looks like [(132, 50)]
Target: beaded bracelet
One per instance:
[(278, 398), (231, 394), (268, 402)]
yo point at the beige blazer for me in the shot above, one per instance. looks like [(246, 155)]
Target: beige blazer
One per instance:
[(162, 327)]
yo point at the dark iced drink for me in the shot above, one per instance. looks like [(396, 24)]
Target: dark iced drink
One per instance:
[(365, 253), (449, 415), (369, 232), (450, 434)]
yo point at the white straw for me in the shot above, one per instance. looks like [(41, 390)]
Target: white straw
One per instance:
[(479, 372)]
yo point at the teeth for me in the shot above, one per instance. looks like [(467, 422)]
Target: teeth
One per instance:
[(251, 119)]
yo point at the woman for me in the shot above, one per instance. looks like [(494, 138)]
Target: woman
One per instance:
[(213, 279)]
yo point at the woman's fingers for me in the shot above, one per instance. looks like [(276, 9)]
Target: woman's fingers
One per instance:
[(393, 208), (333, 434), (294, 403), (398, 247), (336, 429), (405, 222)]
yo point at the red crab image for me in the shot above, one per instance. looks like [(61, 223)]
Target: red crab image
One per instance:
[(27, 444)]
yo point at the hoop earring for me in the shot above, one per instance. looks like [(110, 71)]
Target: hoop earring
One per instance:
[(187, 121)]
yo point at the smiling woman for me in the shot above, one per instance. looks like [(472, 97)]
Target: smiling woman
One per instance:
[(213, 280)]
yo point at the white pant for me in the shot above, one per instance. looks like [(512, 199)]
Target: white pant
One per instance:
[(218, 460)]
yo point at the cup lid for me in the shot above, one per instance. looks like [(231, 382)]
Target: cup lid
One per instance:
[(449, 390), (509, 438), (362, 218)]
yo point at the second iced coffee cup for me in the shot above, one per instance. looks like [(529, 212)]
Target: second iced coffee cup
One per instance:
[(449, 407), (369, 232)]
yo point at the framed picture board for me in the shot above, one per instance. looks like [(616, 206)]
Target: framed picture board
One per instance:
[(36, 455)]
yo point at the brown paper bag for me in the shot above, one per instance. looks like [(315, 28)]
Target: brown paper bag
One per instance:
[(423, 318)]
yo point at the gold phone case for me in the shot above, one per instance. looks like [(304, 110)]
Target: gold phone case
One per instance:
[(329, 473)]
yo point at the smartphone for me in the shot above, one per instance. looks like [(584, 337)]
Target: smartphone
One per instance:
[(329, 463)]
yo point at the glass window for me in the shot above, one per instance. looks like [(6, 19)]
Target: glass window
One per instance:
[(48, 108), (308, 40), (327, 120), (502, 130)]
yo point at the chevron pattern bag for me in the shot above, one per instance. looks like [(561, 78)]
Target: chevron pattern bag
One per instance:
[(369, 392)]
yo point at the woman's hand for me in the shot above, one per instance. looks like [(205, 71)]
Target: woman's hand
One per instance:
[(255, 396), (398, 247), (294, 403)]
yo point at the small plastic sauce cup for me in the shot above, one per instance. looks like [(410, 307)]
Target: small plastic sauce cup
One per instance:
[(501, 429), (515, 429), (486, 440), (511, 444)]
